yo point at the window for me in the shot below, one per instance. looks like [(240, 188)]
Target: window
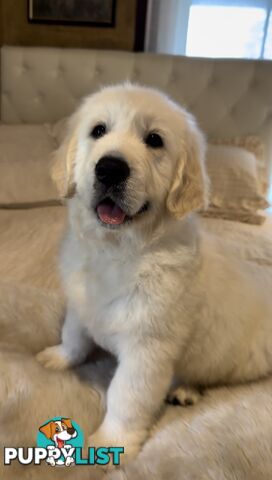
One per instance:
[(211, 28), (268, 43), (236, 29)]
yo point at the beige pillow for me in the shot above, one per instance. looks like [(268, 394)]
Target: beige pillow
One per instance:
[(235, 190), (25, 157), (255, 145)]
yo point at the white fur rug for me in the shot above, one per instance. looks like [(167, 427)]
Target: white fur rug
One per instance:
[(227, 436)]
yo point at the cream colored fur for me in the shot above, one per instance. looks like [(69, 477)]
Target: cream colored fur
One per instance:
[(161, 295), (227, 435)]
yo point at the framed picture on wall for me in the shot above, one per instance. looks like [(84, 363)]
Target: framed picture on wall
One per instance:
[(73, 12)]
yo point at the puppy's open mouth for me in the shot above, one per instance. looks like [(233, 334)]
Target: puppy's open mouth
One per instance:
[(60, 442), (110, 213)]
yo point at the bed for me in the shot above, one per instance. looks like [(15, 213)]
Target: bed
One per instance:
[(228, 435)]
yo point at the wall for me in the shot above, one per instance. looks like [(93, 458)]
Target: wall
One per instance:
[(167, 23), (16, 30)]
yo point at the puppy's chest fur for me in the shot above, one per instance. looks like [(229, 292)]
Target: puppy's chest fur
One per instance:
[(112, 290)]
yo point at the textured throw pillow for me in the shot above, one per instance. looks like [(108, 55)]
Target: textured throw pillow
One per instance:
[(236, 189), (255, 145), (25, 158)]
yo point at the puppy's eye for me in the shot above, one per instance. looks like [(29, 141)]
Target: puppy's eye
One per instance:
[(154, 140), (98, 131), (57, 429)]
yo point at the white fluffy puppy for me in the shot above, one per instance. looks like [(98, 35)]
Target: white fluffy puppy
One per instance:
[(140, 280)]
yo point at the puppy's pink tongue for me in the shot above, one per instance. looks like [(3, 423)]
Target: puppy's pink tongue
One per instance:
[(60, 443), (111, 214)]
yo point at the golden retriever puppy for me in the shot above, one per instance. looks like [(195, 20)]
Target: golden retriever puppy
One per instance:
[(141, 280)]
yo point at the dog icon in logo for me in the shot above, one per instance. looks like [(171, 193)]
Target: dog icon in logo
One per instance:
[(59, 432)]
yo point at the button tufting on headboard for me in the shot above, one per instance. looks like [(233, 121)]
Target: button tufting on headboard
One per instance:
[(229, 97)]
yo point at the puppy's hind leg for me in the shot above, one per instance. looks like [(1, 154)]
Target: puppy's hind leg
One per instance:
[(73, 349)]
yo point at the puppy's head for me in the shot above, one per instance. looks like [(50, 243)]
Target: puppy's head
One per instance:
[(131, 154), (59, 431)]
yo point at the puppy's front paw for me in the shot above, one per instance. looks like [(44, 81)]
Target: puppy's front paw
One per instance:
[(54, 358), (69, 461), (184, 396), (51, 461)]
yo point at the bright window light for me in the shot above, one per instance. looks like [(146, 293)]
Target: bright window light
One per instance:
[(226, 31)]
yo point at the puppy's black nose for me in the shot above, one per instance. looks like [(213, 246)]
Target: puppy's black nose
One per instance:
[(111, 170), (71, 430)]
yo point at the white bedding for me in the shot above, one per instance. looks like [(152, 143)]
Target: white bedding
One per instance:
[(227, 436), (253, 242), (218, 225)]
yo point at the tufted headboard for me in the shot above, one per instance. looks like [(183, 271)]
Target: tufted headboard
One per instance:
[(228, 97)]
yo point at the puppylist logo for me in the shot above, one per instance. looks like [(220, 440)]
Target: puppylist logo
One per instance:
[(59, 443)]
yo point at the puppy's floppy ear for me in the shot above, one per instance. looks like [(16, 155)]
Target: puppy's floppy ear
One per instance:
[(189, 189), (62, 168), (47, 429), (67, 422)]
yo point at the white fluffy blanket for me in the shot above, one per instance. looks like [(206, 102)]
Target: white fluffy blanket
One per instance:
[(227, 436)]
